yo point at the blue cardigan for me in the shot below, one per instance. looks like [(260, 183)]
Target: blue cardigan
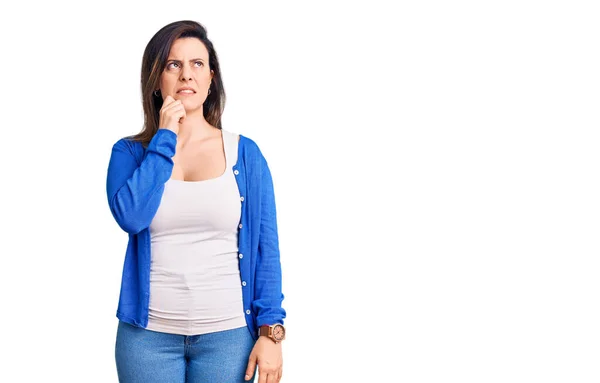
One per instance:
[(134, 186)]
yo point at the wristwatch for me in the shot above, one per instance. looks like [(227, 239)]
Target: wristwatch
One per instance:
[(275, 332)]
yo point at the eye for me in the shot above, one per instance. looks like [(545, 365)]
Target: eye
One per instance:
[(199, 62), (172, 63)]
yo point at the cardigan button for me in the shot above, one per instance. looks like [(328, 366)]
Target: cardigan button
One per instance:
[(240, 225), (243, 283), (241, 255), (236, 172), (242, 199), (248, 312)]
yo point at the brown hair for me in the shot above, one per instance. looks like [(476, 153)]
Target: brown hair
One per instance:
[(153, 63)]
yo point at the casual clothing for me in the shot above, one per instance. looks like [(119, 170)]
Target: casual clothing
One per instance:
[(194, 274), (144, 356), (136, 182)]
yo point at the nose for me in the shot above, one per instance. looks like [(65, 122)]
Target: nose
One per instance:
[(186, 73)]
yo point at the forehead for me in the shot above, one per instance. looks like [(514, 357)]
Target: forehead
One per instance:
[(188, 47)]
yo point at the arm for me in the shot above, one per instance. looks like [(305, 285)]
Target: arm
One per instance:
[(133, 191), (268, 295)]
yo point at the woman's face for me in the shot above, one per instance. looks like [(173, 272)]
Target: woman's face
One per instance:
[(187, 67)]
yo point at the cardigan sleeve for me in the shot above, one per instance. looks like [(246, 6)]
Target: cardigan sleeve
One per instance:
[(268, 294), (134, 191)]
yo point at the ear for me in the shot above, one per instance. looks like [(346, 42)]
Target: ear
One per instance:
[(212, 74)]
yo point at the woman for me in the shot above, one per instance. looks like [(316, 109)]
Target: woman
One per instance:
[(200, 297)]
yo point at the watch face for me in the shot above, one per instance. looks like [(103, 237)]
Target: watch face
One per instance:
[(278, 332)]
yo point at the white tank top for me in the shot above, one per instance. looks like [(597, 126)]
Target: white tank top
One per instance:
[(195, 285)]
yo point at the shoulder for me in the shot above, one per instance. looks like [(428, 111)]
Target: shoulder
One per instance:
[(252, 155), (249, 145), (129, 146), (126, 143), (231, 135)]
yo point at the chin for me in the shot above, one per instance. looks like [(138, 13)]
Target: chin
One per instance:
[(190, 105), (187, 101)]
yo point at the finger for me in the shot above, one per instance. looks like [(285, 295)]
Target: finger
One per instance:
[(175, 113), (272, 377), (169, 104), (251, 367), (168, 100), (180, 113), (172, 105), (279, 375), (262, 375)]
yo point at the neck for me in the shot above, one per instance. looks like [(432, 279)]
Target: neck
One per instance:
[(194, 127)]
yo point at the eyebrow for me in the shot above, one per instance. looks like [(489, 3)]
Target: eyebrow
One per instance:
[(196, 59)]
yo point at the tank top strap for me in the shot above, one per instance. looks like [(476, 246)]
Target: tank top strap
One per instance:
[(230, 142)]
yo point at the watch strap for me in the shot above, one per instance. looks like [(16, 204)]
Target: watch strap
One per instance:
[(264, 330)]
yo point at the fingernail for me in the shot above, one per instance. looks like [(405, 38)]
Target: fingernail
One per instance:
[(247, 377)]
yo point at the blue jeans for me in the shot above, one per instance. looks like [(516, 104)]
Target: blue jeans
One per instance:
[(147, 356)]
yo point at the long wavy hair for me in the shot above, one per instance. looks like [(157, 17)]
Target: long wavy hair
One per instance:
[(153, 64)]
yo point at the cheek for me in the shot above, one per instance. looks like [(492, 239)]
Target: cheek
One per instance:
[(168, 82), (203, 78)]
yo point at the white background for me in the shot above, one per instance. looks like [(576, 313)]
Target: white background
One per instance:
[(436, 173)]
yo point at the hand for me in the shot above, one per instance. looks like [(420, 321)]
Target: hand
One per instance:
[(172, 114), (267, 354)]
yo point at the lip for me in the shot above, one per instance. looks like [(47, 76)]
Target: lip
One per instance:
[(186, 88)]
